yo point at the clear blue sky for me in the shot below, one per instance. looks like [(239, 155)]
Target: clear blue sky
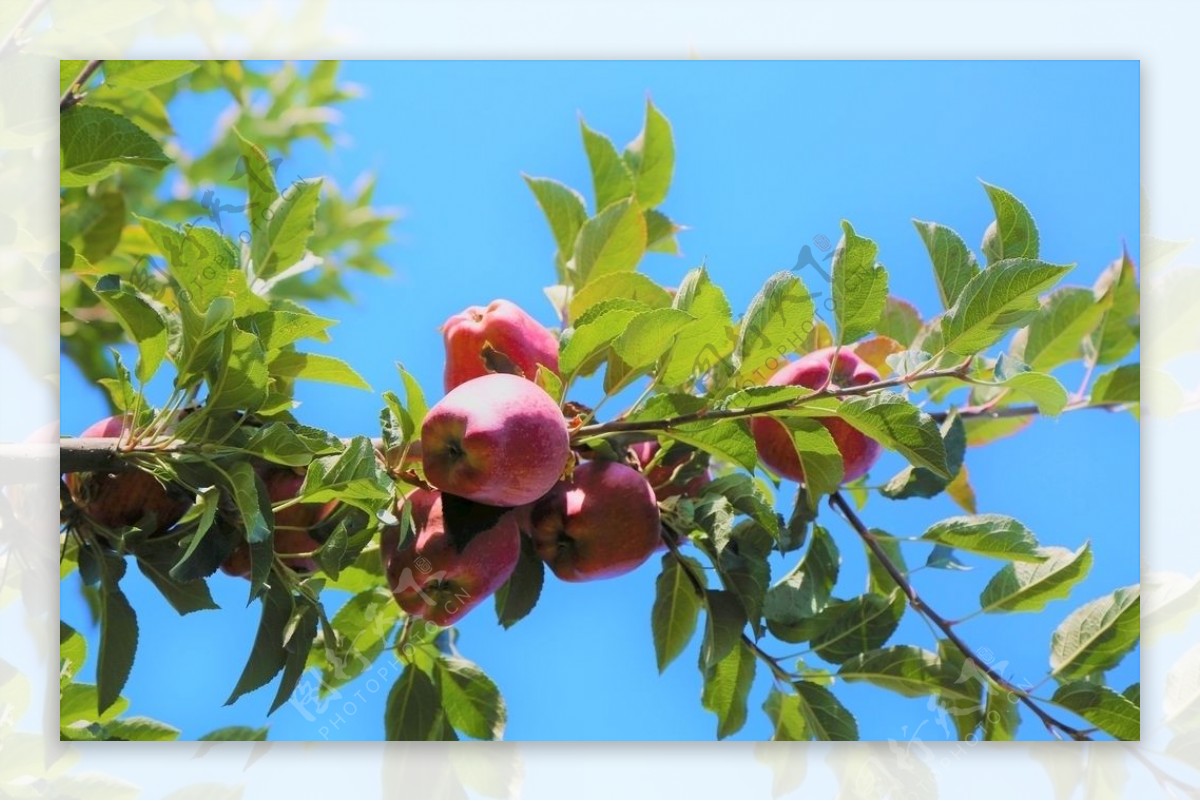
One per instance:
[(769, 157)]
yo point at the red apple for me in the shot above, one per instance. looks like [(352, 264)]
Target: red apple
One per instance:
[(662, 475), (508, 329), (293, 525), (497, 439), (430, 578), (127, 498), (601, 523), (775, 448)]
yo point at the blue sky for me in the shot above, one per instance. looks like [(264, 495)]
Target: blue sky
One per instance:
[(770, 157)]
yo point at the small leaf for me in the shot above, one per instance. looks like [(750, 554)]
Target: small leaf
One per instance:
[(773, 326), (268, 656), (726, 686), (414, 710), (860, 285), (676, 608), (1044, 390), (517, 597), (611, 179), (1118, 333), (1121, 385), (94, 142), (1102, 707), (997, 536), (613, 241), (141, 321), (954, 264), (471, 700), (942, 557), (651, 158), (1025, 587), (998, 299), (564, 210), (1013, 235), (1097, 635)]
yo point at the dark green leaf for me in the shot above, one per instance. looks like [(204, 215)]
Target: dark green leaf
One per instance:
[(859, 286), (297, 648), (102, 236), (1013, 234), (907, 670), (253, 505), (1025, 587), (966, 708), (676, 608), (850, 628), (118, 636), (471, 700), (723, 627), (239, 380), (824, 715), (363, 625), (920, 482), (517, 597), (94, 142), (141, 321), (953, 262), (184, 596), (792, 603), (414, 710), (268, 656)]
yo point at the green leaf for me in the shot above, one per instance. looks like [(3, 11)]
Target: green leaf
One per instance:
[(316, 367), (593, 334), (920, 482), (611, 179), (140, 729), (792, 604), (649, 335), (1057, 331), (517, 597), (68, 71), (997, 536), (907, 670), (1013, 234), (277, 329), (660, 233), (145, 74), (676, 608), (260, 179), (1000, 717), (95, 142), (611, 242), (1102, 707), (651, 158), (72, 651), (202, 342), (723, 626), (706, 341), (859, 285), (1119, 331), (726, 439), (1026, 587), (204, 266), (297, 648), (141, 321), (996, 300), (79, 702), (824, 715), (363, 626), (564, 210), (102, 236), (819, 456), (631, 286), (965, 708), (1097, 635), (118, 635), (850, 628), (1044, 390), (1121, 385), (353, 477), (746, 496), (471, 700), (900, 321), (183, 596), (787, 721), (898, 425), (414, 710), (726, 686), (235, 734), (774, 325), (239, 380), (282, 239), (268, 655), (954, 264), (983, 430)]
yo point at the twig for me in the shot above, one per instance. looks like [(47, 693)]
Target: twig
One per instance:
[(1049, 721), (23, 23), (69, 97)]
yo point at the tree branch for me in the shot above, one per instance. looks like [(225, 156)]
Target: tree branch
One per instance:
[(70, 97), (704, 415), (916, 602)]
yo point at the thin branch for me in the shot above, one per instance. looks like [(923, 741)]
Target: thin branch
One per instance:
[(70, 97), (23, 23), (704, 415), (1049, 721)]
